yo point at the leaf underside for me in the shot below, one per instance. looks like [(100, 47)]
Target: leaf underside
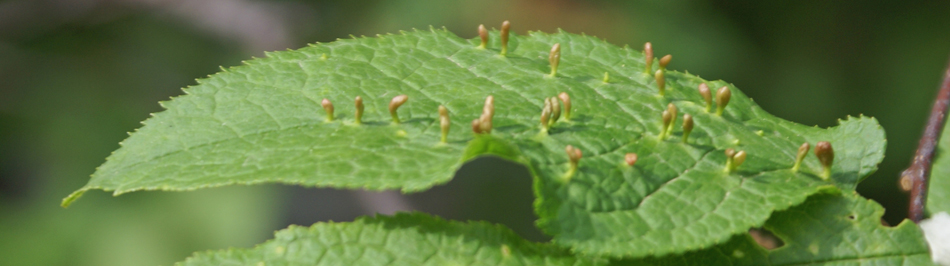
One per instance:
[(403, 239), (262, 122), (828, 229)]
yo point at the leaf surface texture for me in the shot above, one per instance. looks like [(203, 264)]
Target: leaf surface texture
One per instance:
[(262, 122), (403, 239)]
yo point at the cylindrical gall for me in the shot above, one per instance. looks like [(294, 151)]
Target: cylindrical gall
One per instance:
[(505, 29), (395, 104), (328, 107)]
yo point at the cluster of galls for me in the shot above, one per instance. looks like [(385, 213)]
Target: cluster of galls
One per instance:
[(669, 119), (554, 57), (505, 29), (723, 95), (823, 150), (734, 158), (481, 125), (555, 106), (358, 102), (660, 74), (551, 112), (825, 154), (669, 115)]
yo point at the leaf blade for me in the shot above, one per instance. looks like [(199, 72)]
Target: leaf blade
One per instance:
[(263, 123), (829, 229), (403, 239)]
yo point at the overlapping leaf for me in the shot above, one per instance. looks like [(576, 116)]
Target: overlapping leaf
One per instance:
[(938, 196), (263, 123), (404, 239), (828, 229)]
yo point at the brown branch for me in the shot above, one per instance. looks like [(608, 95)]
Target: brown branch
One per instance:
[(915, 178)]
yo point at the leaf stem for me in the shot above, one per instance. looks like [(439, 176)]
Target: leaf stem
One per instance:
[(917, 175)]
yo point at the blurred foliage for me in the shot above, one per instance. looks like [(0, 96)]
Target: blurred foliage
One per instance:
[(74, 80)]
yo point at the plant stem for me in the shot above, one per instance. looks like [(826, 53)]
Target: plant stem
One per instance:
[(919, 171)]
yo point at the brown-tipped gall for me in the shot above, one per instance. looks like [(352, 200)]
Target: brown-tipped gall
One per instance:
[(672, 109), (489, 107), (546, 115), (648, 57), (826, 155), (358, 117), (667, 120), (574, 155), (730, 152), (443, 111), (630, 159), (566, 99), (555, 58), (660, 78), (707, 95), (395, 104), (505, 29), (687, 126), (488, 112), (328, 107), (476, 127), (444, 122), (665, 61), (555, 110), (483, 32), (738, 159), (730, 159), (485, 122), (722, 99), (802, 152)]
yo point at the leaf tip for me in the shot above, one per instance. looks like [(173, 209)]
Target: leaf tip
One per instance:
[(72, 197)]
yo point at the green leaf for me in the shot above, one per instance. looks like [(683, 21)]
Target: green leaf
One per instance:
[(403, 239), (828, 229), (938, 194), (262, 122)]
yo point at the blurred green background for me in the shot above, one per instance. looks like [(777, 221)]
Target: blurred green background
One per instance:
[(76, 75)]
